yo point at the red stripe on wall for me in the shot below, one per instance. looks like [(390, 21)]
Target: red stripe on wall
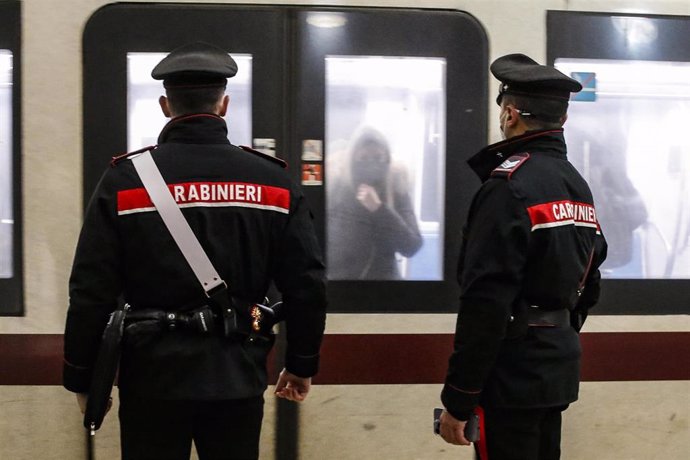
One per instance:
[(384, 358), (31, 359), (635, 356), (36, 359), (423, 358)]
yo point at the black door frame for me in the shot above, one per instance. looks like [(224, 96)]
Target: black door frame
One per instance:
[(12, 289)]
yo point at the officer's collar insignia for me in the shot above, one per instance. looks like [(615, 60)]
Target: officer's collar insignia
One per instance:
[(510, 165), (491, 156)]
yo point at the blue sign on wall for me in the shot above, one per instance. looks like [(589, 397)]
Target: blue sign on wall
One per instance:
[(588, 80)]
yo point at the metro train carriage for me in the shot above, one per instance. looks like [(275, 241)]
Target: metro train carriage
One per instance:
[(314, 80)]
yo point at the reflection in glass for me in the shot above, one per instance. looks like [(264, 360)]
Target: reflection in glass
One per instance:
[(628, 137), (6, 179), (385, 167), (145, 119)]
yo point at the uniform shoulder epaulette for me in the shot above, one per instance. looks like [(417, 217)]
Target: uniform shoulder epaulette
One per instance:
[(116, 159), (510, 165), (282, 163)]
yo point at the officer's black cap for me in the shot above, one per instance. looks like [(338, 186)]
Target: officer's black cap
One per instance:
[(195, 65), (522, 76)]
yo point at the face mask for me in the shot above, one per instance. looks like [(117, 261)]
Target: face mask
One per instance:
[(502, 119)]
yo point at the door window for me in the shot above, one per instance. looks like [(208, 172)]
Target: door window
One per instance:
[(627, 135), (385, 167), (145, 119), (6, 167)]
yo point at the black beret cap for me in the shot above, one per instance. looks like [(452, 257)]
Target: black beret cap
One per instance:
[(195, 64), (523, 76)]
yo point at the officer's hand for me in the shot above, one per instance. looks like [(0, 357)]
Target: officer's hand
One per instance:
[(291, 387), (82, 399), (452, 430), (368, 197)]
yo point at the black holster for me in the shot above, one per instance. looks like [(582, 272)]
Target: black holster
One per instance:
[(225, 309), (577, 318), (105, 370)]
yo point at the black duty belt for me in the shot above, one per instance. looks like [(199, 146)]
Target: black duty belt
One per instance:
[(201, 320), (538, 317), (254, 320)]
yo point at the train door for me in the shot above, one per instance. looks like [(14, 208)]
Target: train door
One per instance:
[(315, 85), (626, 135), (389, 104), (11, 298)]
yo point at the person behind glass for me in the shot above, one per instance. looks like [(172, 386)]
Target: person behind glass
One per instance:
[(370, 214), (528, 274), (182, 384)]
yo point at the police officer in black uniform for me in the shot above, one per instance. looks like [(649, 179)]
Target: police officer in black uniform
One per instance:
[(179, 382), (528, 274)]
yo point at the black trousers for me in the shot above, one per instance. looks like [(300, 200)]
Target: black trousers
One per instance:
[(164, 430), (521, 434)]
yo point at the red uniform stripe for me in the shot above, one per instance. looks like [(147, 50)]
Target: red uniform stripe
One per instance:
[(137, 198), (210, 194), (563, 212), (482, 450)]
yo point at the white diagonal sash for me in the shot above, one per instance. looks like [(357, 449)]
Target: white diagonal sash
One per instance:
[(178, 226)]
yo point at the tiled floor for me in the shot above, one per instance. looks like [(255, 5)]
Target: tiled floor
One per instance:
[(612, 421)]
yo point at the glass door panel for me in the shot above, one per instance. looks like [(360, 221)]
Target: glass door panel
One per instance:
[(11, 266), (6, 167), (144, 116), (397, 105), (626, 134)]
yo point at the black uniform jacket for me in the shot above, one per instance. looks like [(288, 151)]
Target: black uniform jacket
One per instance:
[(531, 239), (255, 226)]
